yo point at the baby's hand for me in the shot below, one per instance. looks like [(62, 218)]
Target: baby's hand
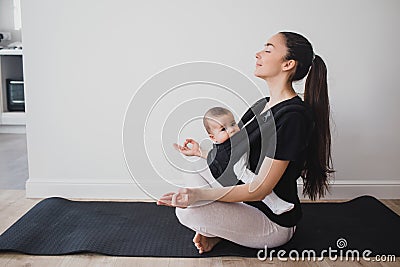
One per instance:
[(194, 150)]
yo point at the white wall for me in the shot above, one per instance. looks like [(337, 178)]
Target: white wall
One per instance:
[(85, 59)]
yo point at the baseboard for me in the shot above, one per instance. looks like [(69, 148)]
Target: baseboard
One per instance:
[(349, 189), (127, 189)]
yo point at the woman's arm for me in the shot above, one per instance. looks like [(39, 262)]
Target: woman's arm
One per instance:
[(269, 175)]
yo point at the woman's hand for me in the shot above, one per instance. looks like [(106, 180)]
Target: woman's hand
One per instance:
[(187, 151), (184, 198)]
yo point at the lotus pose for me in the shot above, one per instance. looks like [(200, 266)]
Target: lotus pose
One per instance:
[(238, 213)]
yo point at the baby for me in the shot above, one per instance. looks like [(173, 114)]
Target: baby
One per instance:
[(221, 125)]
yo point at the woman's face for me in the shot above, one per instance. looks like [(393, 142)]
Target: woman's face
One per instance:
[(270, 60)]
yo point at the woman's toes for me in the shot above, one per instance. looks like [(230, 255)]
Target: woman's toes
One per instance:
[(197, 238), (204, 243), (197, 241)]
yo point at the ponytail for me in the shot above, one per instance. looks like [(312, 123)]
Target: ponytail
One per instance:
[(317, 168), (318, 165)]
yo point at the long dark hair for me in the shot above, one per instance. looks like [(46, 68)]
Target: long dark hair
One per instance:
[(318, 164)]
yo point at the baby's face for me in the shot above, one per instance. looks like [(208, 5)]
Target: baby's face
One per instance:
[(222, 128)]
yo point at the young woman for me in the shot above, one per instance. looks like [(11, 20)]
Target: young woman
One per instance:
[(303, 148)]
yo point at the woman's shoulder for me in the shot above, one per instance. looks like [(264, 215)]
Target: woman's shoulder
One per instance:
[(296, 100), (293, 110), (289, 106)]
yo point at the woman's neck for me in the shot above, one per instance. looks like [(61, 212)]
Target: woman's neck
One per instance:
[(279, 91)]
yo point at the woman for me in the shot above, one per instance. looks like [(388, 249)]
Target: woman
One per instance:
[(238, 214)]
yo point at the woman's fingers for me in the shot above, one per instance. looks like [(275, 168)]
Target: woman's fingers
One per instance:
[(161, 203), (172, 199), (180, 148), (185, 147), (189, 141), (164, 203), (167, 195), (165, 200), (176, 146), (180, 200)]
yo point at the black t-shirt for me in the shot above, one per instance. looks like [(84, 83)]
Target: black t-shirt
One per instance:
[(293, 130)]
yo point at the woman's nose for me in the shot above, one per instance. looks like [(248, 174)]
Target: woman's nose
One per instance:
[(257, 55)]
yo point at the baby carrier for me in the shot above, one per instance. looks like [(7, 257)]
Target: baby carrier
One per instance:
[(255, 139)]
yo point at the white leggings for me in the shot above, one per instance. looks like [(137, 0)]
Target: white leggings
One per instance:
[(237, 222)]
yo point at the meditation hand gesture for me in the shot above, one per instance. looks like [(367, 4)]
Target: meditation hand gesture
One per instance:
[(194, 150), (184, 198)]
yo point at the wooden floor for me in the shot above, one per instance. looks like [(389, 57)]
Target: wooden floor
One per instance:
[(13, 205), (13, 161)]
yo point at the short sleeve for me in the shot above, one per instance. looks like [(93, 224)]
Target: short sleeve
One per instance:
[(291, 137)]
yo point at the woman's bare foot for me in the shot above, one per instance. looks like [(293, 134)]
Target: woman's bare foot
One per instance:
[(204, 243)]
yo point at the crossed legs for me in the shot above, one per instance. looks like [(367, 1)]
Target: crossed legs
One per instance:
[(237, 222)]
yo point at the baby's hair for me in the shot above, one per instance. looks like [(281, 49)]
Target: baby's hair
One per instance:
[(212, 113)]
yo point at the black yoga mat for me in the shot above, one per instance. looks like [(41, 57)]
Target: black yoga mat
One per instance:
[(58, 226)]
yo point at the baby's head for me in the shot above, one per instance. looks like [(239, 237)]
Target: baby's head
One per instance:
[(220, 124)]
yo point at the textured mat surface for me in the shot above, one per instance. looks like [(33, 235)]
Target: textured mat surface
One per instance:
[(58, 226)]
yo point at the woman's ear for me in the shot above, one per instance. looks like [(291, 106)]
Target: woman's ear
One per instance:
[(288, 65)]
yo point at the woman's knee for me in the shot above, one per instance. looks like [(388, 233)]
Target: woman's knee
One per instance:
[(191, 216), (183, 215)]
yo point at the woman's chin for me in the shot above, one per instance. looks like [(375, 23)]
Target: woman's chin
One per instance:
[(257, 74)]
